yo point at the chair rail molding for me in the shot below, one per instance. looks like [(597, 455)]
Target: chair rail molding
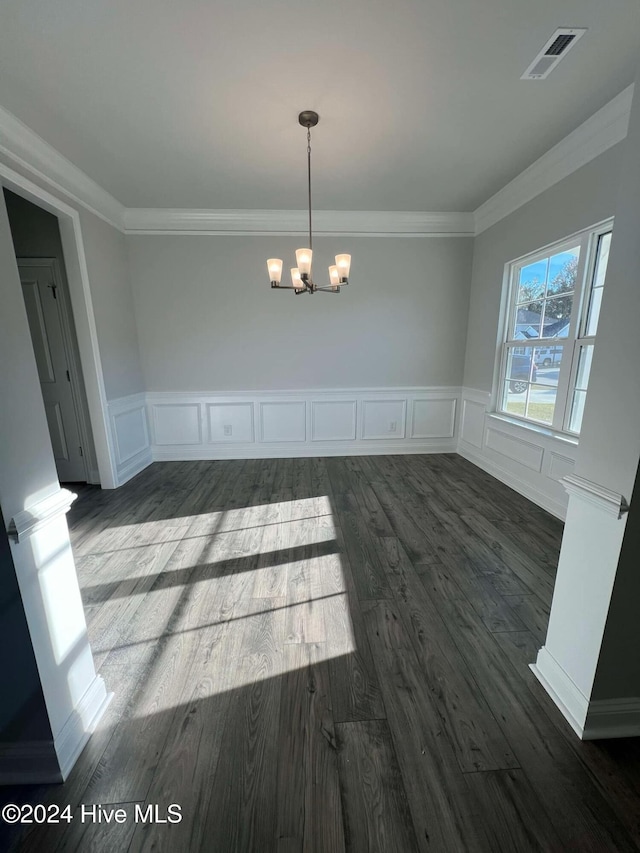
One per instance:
[(606, 500), (37, 515)]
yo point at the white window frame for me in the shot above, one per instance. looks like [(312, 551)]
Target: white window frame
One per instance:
[(576, 338)]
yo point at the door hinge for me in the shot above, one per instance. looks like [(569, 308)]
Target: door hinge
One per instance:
[(80, 449), (68, 376)]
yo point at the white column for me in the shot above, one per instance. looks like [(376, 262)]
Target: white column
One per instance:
[(587, 663)]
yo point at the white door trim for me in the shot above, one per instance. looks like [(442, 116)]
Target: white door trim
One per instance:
[(82, 305)]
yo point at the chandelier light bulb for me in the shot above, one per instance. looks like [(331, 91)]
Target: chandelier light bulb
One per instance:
[(296, 281), (303, 259), (334, 277), (274, 265), (343, 262)]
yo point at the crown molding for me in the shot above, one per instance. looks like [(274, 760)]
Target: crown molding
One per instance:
[(25, 148), (377, 223), (603, 130)]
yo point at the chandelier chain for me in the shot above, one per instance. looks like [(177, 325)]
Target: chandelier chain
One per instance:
[(309, 182)]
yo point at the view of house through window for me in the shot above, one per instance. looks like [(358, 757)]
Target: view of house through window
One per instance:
[(553, 309)]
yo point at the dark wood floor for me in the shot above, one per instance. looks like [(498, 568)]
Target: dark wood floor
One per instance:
[(328, 655)]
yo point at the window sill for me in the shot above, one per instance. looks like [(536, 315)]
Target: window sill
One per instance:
[(571, 440)]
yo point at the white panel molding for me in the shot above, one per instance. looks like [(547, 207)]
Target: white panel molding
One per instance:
[(472, 425), (130, 439), (27, 149), (565, 693), (282, 421), (524, 452), (39, 514), (176, 423), (612, 718), (604, 499), (433, 417), (317, 422), (374, 223), (333, 420), (559, 466), (240, 417), (81, 724), (598, 133), (377, 413), (29, 763)]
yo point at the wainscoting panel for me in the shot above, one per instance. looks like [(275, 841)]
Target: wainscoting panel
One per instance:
[(327, 422), (525, 452), (129, 427), (230, 422), (472, 427), (383, 419), (433, 418), (530, 460), (176, 423), (282, 420), (333, 420)]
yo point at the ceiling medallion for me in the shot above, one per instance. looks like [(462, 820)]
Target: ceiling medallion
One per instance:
[(301, 280)]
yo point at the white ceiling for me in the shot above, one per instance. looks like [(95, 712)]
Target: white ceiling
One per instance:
[(194, 103)]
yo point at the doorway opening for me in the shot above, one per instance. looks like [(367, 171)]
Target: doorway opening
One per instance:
[(41, 264)]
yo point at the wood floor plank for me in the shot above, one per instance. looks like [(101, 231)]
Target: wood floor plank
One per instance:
[(464, 716), (376, 811), (441, 806), (308, 803)]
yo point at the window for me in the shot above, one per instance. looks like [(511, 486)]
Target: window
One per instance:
[(553, 308)]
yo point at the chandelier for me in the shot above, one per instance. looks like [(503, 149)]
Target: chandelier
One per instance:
[(301, 280)]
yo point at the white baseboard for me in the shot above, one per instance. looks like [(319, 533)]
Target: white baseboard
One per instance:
[(81, 724), (599, 719), (512, 480), (29, 763), (565, 693), (613, 718)]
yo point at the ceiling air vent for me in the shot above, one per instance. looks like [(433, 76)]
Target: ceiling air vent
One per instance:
[(554, 50)]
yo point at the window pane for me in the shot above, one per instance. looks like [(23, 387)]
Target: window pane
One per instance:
[(557, 316), (532, 281), (584, 367), (519, 368), (528, 321), (604, 243), (541, 403), (549, 358), (514, 397), (582, 381), (563, 270), (577, 410)]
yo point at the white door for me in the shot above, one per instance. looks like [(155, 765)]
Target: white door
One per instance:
[(44, 306)]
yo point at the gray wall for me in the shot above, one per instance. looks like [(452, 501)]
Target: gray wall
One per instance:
[(208, 320), (583, 198), (111, 294)]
